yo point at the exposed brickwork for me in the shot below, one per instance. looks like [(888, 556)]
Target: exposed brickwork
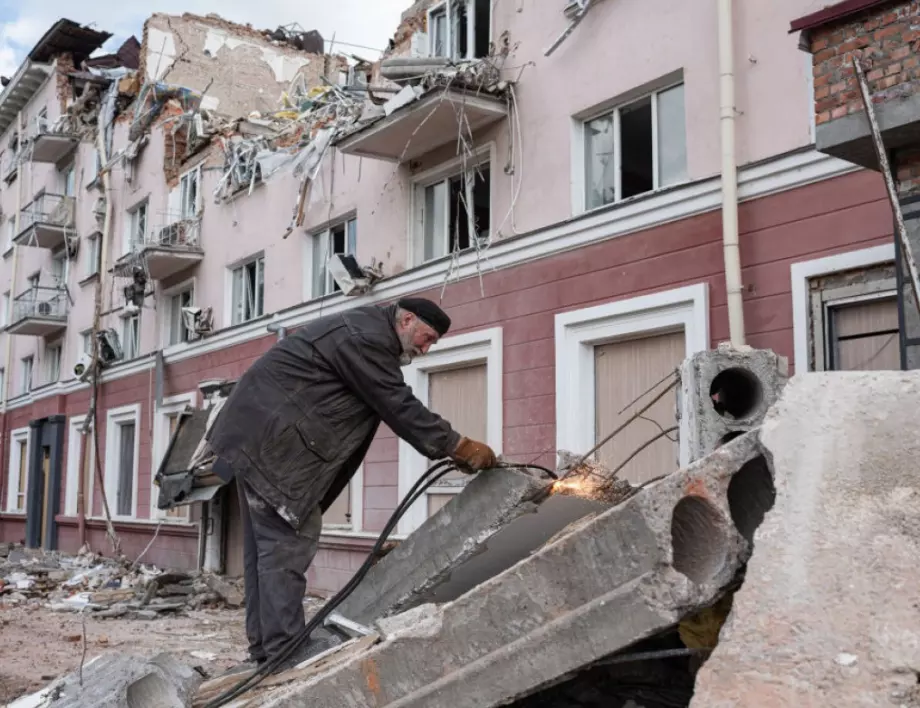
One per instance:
[(887, 41), (907, 163)]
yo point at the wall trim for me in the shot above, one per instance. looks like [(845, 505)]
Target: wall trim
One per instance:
[(784, 173), (578, 331), (800, 274), (74, 459), (480, 346), (16, 435)]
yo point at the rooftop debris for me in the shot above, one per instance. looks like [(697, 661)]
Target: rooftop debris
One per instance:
[(106, 588)]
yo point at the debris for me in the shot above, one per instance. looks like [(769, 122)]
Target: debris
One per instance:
[(203, 655), (228, 592)]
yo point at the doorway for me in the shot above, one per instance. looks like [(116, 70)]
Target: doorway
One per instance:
[(45, 473)]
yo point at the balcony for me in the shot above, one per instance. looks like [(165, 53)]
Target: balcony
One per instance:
[(47, 221), (165, 251), (52, 144), (425, 124), (39, 312)]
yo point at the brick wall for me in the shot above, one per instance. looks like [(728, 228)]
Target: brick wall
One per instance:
[(887, 40)]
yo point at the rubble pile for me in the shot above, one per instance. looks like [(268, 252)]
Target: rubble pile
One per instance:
[(106, 588)]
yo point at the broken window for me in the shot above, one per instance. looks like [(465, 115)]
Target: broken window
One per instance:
[(456, 210), (188, 194), (131, 335), (461, 32), (636, 148), (248, 296), (854, 321), (176, 330), (135, 228), (340, 239)]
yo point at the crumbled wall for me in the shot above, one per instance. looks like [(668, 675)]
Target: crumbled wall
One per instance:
[(236, 66), (63, 66), (888, 41), (415, 19)]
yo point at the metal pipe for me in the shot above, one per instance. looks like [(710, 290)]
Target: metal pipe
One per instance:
[(732, 254), (280, 329)]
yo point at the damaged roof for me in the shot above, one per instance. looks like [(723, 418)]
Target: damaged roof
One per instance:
[(67, 36), (834, 13)]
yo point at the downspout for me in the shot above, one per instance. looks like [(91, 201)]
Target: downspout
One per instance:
[(8, 374), (732, 254)]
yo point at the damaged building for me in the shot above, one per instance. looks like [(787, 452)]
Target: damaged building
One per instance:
[(172, 208)]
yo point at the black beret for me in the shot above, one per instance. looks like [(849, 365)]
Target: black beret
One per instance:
[(427, 312)]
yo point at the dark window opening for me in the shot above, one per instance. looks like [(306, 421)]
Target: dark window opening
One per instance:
[(483, 14), (460, 234), (638, 172)]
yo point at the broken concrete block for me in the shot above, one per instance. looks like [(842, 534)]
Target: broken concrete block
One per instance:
[(827, 615), (612, 580), (119, 680), (227, 591), (725, 393), (453, 535)]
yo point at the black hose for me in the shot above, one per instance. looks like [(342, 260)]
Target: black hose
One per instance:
[(426, 480)]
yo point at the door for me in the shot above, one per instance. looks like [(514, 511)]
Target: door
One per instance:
[(46, 474), (623, 371)]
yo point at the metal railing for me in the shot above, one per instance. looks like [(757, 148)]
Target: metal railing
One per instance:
[(44, 126), (51, 209), (179, 234), (40, 301)]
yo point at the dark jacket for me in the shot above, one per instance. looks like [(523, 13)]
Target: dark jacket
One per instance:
[(300, 420)]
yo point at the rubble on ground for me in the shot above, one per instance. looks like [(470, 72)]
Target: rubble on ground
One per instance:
[(107, 588)]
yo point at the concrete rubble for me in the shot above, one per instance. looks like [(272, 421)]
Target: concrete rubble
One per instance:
[(106, 588), (827, 615)]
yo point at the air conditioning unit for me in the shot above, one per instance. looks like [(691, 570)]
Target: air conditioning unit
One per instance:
[(350, 277), (84, 367), (44, 309), (199, 322)]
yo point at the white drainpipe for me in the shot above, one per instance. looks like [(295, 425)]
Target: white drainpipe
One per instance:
[(730, 176)]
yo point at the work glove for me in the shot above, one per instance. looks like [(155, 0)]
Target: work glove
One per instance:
[(475, 455)]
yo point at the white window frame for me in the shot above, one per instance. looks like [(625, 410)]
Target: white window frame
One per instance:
[(803, 271), (228, 289), (483, 155), (116, 417), (26, 384), (171, 405), (17, 436), (69, 180), (129, 236), (579, 165), (75, 438), (580, 331), (93, 251), (186, 179), (125, 318), (49, 348), (479, 347), (326, 234), (190, 284), (5, 314), (86, 341), (356, 527), (452, 53)]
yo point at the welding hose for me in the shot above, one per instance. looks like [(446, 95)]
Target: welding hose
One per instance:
[(432, 475)]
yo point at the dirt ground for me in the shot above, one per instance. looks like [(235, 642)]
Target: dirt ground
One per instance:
[(38, 645)]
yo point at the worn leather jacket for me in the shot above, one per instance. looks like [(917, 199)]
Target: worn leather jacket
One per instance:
[(301, 419)]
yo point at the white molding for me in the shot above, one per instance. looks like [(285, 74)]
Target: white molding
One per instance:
[(16, 436), (578, 331), (115, 417), (170, 405), (74, 459), (781, 174), (481, 346), (800, 274)]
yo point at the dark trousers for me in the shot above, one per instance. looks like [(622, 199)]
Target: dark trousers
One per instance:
[(275, 561)]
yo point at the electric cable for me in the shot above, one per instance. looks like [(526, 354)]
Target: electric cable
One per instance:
[(428, 479)]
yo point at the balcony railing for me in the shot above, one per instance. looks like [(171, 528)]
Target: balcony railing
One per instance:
[(52, 142), (39, 311), (45, 219), (180, 234), (164, 251)]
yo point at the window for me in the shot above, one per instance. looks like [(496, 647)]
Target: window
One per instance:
[(855, 324), (188, 194), (10, 231), (164, 426), (59, 268), (636, 148), (25, 384), (5, 315), (464, 31), (87, 341), (339, 239), (53, 362), (18, 471), (93, 254), (131, 336), (176, 329), (121, 463), (248, 295), (136, 228), (3, 383), (69, 181), (79, 456), (455, 210)]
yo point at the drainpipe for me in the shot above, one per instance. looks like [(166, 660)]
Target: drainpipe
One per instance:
[(732, 255), (279, 329)]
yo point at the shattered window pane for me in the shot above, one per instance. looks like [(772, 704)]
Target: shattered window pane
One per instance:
[(248, 291), (672, 137), (339, 239), (638, 171), (450, 208), (189, 195), (178, 332), (483, 15), (600, 161)]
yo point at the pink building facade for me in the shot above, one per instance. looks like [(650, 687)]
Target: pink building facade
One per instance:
[(594, 191)]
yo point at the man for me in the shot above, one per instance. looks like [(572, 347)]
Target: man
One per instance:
[(294, 431)]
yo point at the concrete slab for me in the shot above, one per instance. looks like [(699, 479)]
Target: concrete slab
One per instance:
[(455, 534), (608, 582), (827, 615)]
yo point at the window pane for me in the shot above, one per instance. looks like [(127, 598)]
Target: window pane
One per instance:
[(238, 296), (319, 264), (638, 175), (435, 221), (126, 470), (439, 34), (599, 162), (672, 137), (352, 237), (260, 287)]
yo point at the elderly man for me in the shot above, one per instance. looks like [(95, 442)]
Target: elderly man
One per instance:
[(297, 426)]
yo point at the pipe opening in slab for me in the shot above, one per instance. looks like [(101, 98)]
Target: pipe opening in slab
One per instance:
[(698, 539), (728, 437), (735, 392), (751, 495)]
